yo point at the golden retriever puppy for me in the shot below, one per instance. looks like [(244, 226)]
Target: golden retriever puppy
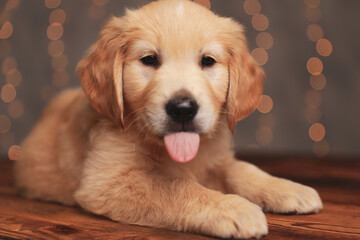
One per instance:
[(147, 141)]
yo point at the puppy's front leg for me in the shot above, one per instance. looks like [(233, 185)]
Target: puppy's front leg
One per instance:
[(271, 193), (150, 199)]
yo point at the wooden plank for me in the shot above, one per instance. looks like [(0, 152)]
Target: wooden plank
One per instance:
[(336, 181)]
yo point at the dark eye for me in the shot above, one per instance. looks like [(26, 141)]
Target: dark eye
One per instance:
[(207, 61), (150, 60)]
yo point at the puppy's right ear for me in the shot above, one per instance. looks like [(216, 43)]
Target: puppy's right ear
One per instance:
[(100, 72)]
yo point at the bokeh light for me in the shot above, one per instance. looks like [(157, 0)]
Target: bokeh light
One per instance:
[(318, 82), (317, 132), (260, 55), (315, 66), (57, 16), (313, 14), (321, 149), (14, 152), (324, 47), (264, 135), (314, 32), (52, 3), (260, 22), (55, 31), (312, 3), (11, 4), (8, 93), (252, 7), (59, 62), (6, 30), (56, 48), (266, 104), (5, 124), (264, 40), (313, 98), (8, 64), (15, 109), (14, 77), (266, 120)]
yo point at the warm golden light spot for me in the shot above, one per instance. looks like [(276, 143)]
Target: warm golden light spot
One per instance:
[(8, 64), (59, 63), (97, 12), (8, 93), (58, 16), (318, 82), (5, 124), (6, 30), (313, 14), (266, 120), (52, 3), (11, 4), (324, 47), (5, 48), (55, 31), (14, 152), (321, 149), (56, 48), (313, 98), (205, 3), (260, 22), (312, 3), (14, 77), (252, 7), (264, 40), (314, 32), (15, 109), (314, 66), (260, 55), (60, 79), (317, 132), (264, 135), (312, 115), (266, 104)]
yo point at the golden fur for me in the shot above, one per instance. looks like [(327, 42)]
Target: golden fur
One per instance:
[(102, 147)]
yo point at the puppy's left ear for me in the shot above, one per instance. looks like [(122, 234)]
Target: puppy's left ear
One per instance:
[(245, 77), (100, 72)]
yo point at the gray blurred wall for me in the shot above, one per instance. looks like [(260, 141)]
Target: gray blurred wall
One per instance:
[(287, 76)]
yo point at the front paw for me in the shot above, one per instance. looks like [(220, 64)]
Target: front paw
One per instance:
[(235, 217), (284, 196)]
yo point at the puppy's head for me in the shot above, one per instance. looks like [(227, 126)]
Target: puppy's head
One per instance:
[(171, 66)]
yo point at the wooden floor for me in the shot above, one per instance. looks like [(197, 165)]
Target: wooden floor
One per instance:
[(337, 180)]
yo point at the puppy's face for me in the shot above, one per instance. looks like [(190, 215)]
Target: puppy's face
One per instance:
[(173, 66)]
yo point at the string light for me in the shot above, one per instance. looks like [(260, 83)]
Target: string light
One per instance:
[(13, 77), (315, 67), (56, 49), (264, 42)]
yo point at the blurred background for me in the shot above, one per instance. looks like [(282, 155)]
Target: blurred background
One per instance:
[(309, 49)]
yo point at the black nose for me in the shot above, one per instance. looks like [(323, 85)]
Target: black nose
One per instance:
[(182, 109)]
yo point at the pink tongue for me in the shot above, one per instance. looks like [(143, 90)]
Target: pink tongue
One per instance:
[(182, 146)]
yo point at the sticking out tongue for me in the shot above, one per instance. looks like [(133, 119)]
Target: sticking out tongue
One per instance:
[(182, 146)]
